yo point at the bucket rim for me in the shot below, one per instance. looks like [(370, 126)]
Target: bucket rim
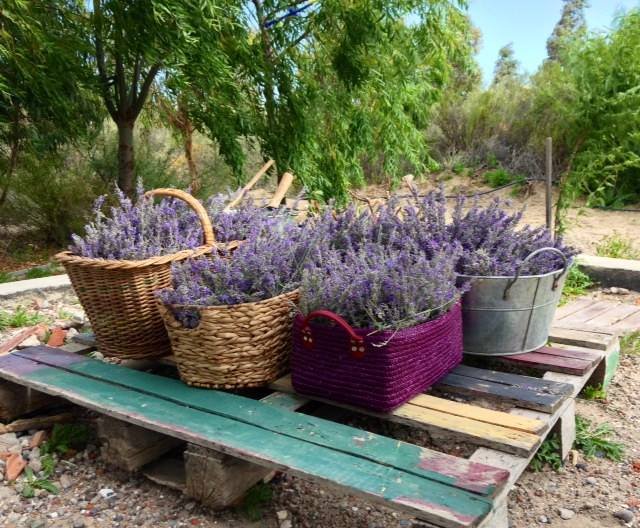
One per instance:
[(548, 274)]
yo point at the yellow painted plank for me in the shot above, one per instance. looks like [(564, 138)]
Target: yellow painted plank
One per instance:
[(480, 414), (470, 429), (511, 440)]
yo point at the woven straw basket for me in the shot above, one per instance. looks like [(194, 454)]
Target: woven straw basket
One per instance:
[(235, 346), (117, 295)]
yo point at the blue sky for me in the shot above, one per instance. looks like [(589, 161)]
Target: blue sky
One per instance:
[(528, 23)]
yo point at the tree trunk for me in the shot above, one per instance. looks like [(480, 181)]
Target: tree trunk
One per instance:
[(126, 161), (188, 154)]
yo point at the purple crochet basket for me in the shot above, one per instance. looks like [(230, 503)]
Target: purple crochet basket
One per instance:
[(343, 364)]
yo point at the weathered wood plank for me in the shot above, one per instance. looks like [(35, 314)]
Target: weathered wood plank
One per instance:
[(16, 400), (403, 456), (593, 356), (548, 362), (425, 498), (289, 402), (515, 380), (529, 399), (613, 316), (480, 414), (628, 324), (583, 338), (564, 311), (468, 429), (580, 317)]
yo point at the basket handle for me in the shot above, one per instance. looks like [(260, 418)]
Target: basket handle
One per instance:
[(556, 279), (356, 341), (209, 238)]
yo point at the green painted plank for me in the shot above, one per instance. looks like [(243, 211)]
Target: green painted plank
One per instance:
[(419, 461), (433, 501), (282, 400)]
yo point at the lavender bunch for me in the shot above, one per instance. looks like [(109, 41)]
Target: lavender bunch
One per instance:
[(135, 231), (378, 286), (267, 264), (495, 245), (237, 224)]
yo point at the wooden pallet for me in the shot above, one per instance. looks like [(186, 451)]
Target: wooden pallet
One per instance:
[(598, 315), (239, 441)]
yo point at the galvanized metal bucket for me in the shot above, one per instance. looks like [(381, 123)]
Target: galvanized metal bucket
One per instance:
[(511, 315)]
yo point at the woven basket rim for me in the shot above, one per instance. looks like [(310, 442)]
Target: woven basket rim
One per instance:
[(67, 257), (295, 291)]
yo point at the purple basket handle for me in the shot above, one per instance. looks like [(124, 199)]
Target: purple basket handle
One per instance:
[(356, 341)]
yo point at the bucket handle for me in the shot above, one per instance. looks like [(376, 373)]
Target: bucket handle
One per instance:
[(556, 279), (356, 342)]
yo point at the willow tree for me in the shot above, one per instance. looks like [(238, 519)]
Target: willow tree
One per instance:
[(138, 43), (46, 97), (333, 88)]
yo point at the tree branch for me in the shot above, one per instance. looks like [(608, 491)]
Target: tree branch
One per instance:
[(304, 35), (144, 90), (133, 93), (100, 60)]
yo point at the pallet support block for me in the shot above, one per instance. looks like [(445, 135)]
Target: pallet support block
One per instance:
[(565, 428), (218, 480), (130, 447), (17, 400)]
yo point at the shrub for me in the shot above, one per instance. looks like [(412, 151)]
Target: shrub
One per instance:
[(576, 284), (500, 177), (616, 246)]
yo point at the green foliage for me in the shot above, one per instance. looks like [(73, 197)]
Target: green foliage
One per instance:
[(572, 24), (18, 318), (576, 284), (594, 393), (595, 440), (255, 501), (506, 68), (500, 177), (547, 455), (65, 437), (617, 246), (43, 481), (630, 343), (5, 277), (39, 272)]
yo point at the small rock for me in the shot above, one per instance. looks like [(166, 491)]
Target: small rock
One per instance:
[(30, 341), (8, 440), (37, 439), (78, 522), (71, 333), (282, 515), (624, 515), (286, 524), (15, 466), (35, 464), (566, 514), (543, 519), (65, 481), (106, 493), (591, 481), (618, 291), (189, 506), (581, 466), (38, 523)]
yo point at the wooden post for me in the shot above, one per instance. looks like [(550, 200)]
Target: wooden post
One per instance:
[(549, 180), (249, 185), (283, 187)]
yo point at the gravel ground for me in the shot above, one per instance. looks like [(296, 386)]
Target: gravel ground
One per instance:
[(586, 492)]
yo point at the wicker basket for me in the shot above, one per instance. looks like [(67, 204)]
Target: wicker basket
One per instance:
[(235, 346), (374, 370), (117, 295)]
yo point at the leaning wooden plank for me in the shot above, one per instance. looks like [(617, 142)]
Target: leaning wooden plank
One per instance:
[(514, 380), (452, 383), (476, 413), (39, 422), (472, 430), (442, 504), (548, 362), (403, 456)]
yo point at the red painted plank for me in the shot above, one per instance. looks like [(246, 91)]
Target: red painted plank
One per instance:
[(593, 357), (549, 362)]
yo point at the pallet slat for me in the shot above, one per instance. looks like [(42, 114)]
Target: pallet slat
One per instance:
[(403, 456), (427, 499), (474, 430), (541, 360)]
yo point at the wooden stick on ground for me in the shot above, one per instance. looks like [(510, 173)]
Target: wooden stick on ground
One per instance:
[(249, 185), (283, 187), (40, 422)]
